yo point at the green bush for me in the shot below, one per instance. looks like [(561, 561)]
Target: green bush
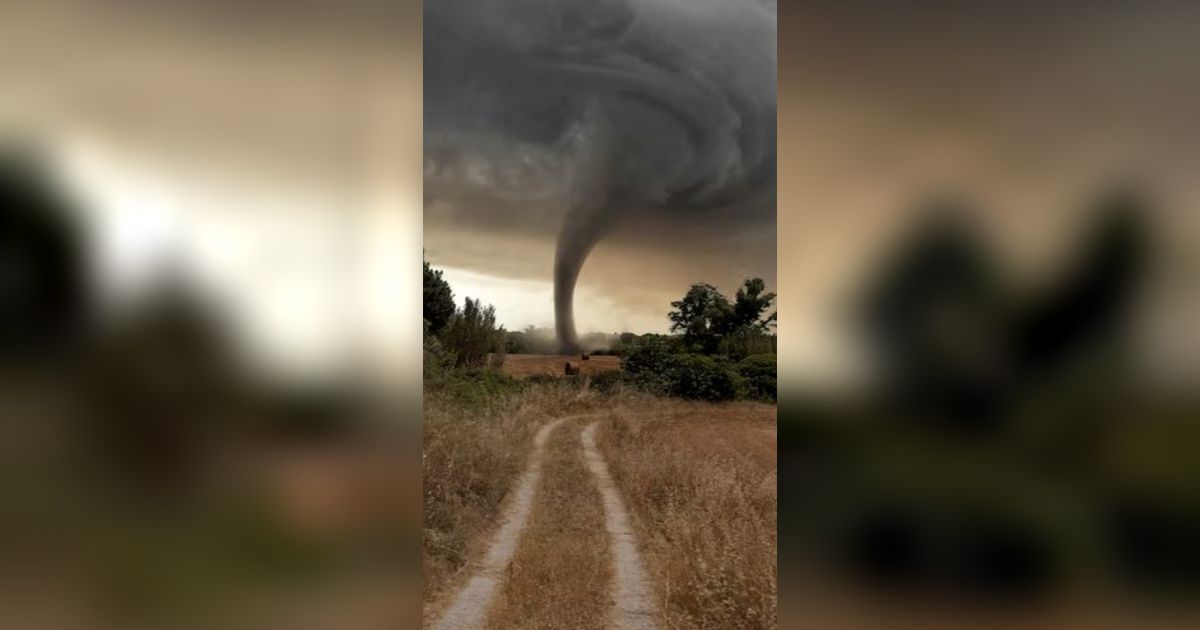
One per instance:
[(703, 378), (437, 300), (659, 364), (607, 382), (759, 372), (470, 385), (648, 361), (745, 343), (471, 335)]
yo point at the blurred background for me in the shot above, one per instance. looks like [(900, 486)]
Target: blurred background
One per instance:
[(209, 248), (209, 244), (987, 262)]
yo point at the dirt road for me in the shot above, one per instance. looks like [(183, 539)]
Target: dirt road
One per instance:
[(634, 607), (631, 593), (470, 605)]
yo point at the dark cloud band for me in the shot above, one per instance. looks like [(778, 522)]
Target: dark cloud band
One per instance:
[(623, 109)]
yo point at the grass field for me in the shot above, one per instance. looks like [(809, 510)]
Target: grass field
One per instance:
[(472, 454), (698, 480), (560, 575), (524, 365)]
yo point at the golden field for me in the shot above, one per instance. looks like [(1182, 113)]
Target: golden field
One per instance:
[(698, 480)]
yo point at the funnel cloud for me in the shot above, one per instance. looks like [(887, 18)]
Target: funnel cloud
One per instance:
[(583, 118)]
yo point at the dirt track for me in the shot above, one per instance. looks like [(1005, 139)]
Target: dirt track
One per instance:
[(634, 607), (470, 605), (633, 597)]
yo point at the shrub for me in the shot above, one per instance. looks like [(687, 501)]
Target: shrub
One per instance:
[(759, 372), (471, 335), (470, 386), (435, 361), (607, 382), (703, 378), (437, 300), (648, 361), (746, 342)]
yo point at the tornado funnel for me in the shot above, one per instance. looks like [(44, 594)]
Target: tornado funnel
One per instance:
[(583, 227)]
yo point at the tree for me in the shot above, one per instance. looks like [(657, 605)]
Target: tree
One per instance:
[(935, 318), (749, 305), (44, 293), (703, 316), (438, 299), (746, 342), (472, 334)]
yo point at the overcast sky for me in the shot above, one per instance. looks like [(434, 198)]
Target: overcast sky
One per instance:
[(1027, 109), (646, 126), (266, 153), (260, 147)]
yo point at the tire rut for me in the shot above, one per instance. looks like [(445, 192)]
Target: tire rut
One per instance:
[(633, 599), (470, 606)]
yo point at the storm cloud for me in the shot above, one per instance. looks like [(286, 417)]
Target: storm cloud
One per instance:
[(582, 117)]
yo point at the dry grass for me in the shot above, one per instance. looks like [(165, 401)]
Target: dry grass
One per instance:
[(698, 478), (700, 482), (562, 570), (525, 365), (471, 456)]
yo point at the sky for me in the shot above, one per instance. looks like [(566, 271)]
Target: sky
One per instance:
[(276, 156), (1026, 109), (635, 137), (266, 155)]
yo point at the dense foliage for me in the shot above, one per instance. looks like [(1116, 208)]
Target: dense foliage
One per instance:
[(724, 350), (659, 364), (648, 361), (471, 335), (457, 338), (706, 318), (703, 378), (759, 376), (437, 300)]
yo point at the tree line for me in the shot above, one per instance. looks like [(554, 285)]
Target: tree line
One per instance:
[(719, 348)]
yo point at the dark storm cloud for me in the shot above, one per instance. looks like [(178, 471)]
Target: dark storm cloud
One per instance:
[(587, 114)]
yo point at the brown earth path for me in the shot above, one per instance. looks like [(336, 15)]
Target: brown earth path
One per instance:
[(634, 606), (469, 608), (633, 597)]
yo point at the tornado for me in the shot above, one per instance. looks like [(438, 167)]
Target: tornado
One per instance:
[(582, 228), (569, 255), (650, 141), (640, 109)]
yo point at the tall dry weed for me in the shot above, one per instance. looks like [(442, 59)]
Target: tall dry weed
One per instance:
[(562, 571), (471, 456), (700, 481)]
